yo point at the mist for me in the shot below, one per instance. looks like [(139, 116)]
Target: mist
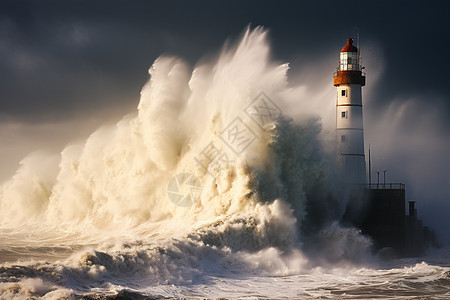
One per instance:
[(411, 141)]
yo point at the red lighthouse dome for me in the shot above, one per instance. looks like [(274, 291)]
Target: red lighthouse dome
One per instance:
[(349, 47)]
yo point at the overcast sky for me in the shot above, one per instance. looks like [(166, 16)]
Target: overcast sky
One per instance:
[(59, 58), (66, 61)]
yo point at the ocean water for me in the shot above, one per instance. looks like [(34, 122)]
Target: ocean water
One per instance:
[(62, 267), (211, 189)]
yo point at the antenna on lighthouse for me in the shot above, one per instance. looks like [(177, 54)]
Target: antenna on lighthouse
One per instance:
[(357, 36), (357, 46)]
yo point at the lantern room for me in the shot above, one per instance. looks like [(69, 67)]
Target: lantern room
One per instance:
[(349, 58)]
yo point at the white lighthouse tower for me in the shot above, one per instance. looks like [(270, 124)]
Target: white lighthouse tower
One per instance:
[(348, 81)]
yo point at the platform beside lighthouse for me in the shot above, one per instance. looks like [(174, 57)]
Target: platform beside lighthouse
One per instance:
[(384, 219), (380, 213)]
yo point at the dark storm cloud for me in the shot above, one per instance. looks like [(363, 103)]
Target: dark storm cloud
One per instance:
[(62, 58)]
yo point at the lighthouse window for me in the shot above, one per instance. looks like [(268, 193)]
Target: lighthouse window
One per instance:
[(344, 93), (342, 138), (344, 115)]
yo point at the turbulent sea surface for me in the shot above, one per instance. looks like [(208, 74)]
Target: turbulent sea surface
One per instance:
[(212, 189)]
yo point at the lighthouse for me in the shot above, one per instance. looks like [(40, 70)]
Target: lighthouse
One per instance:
[(348, 81)]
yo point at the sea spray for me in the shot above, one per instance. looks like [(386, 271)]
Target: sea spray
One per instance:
[(109, 196), (122, 172), (26, 195)]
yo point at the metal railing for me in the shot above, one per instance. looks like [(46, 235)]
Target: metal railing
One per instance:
[(386, 186), (363, 73)]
